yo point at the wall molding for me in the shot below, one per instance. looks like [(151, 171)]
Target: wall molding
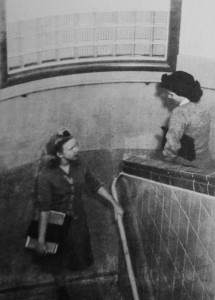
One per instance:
[(78, 80), (203, 69)]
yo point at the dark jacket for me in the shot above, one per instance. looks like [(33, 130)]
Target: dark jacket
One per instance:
[(55, 192)]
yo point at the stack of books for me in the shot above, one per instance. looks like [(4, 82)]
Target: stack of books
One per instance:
[(54, 232)]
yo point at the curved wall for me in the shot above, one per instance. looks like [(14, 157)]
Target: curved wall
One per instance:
[(108, 114), (103, 110)]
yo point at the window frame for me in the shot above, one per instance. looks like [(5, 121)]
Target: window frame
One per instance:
[(169, 65)]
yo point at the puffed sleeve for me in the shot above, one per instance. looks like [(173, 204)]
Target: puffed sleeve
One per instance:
[(44, 193), (93, 183), (177, 125)]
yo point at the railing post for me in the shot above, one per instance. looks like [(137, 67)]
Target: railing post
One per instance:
[(3, 44)]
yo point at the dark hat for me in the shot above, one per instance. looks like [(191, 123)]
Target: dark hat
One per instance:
[(182, 84)]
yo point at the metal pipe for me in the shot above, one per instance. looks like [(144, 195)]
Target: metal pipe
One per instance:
[(125, 245)]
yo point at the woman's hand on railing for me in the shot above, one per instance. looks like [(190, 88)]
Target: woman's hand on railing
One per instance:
[(118, 210)]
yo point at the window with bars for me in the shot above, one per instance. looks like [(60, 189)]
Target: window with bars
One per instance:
[(107, 40)]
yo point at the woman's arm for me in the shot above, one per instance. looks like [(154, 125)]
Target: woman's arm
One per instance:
[(118, 210), (43, 222), (177, 125), (44, 196), (97, 187)]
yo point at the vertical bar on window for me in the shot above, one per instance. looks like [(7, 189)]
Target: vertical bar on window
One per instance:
[(94, 41), (22, 37), (3, 45), (134, 33), (152, 37), (39, 56), (116, 33), (96, 26), (57, 52), (76, 46)]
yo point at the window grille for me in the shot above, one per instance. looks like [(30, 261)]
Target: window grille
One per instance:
[(87, 37)]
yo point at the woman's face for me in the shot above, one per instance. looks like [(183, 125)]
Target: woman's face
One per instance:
[(174, 97), (70, 150)]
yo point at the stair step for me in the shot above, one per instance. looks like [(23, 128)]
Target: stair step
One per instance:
[(98, 288)]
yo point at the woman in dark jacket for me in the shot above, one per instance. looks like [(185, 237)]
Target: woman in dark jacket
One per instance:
[(59, 187), (189, 125)]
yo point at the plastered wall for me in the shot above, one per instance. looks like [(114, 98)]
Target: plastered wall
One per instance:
[(103, 116)]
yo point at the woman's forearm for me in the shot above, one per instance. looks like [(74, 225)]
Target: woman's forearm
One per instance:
[(43, 221), (104, 193), (117, 207)]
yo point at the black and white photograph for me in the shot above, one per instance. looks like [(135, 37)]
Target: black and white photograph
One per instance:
[(107, 156)]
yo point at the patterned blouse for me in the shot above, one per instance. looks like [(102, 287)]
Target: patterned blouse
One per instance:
[(193, 120)]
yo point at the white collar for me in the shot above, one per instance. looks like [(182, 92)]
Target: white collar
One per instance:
[(184, 101)]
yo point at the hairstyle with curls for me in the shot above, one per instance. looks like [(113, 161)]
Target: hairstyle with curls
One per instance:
[(183, 84), (55, 145)]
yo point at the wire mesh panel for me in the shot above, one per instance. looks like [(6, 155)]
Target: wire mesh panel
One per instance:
[(143, 50), (126, 17), (143, 33), (67, 21), (86, 51), (105, 50), (48, 55), (106, 18), (144, 17), (124, 49), (67, 53), (158, 50), (106, 34), (66, 37), (77, 37), (85, 35)]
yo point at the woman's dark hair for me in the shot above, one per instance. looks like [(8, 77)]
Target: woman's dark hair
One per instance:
[(55, 145), (49, 157), (183, 84)]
